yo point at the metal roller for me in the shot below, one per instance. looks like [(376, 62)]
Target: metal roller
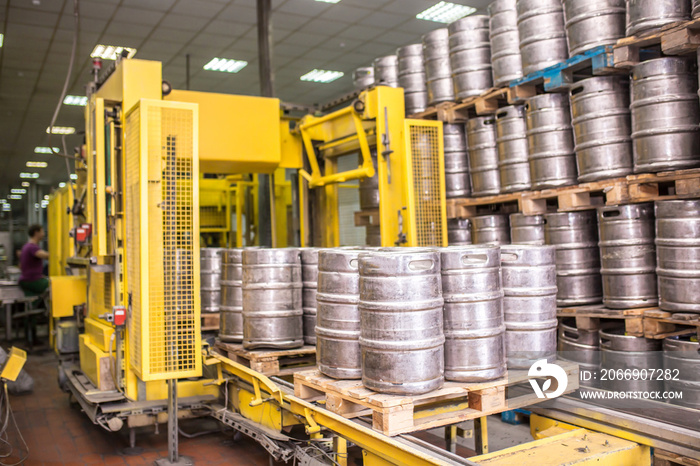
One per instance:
[(602, 127), (582, 347), (505, 42), (527, 229), (490, 229), (628, 255), (575, 235), (457, 182), (550, 141), (678, 255), (459, 232), (309, 280), (511, 140), (231, 318), (529, 304), (592, 23), (209, 278), (665, 115), (386, 71), (470, 56), (338, 315), (401, 321), (681, 355), (483, 156), (272, 303), (362, 78), (473, 314), (645, 15), (542, 34), (620, 352), (438, 73)]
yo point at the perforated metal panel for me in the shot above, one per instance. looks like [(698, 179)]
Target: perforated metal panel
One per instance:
[(427, 180), (162, 221)]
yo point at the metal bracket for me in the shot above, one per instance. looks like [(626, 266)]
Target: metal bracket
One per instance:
[(313, 427)]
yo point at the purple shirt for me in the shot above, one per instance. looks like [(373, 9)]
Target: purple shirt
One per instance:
[(30, 265)]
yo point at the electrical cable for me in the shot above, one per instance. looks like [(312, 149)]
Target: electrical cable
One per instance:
[(3, 432)]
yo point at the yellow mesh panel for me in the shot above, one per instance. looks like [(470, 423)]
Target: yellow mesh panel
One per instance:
[(167, 322), (425, 164), (132, 204), (212, 218)]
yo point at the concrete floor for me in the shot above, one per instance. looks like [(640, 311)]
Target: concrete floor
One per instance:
[(58, 433)]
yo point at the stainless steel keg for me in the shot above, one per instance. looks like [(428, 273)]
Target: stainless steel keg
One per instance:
[(602, 127), (401, 321), (682, 365), (362, 78), (575, 235), (592, 23), (438, 73), (527, 229), (505, 42), (473, 314), (338, 316), (645, 15), (529, 304), (373, 235), (272, 303), (678, 255), (456, 165), (628, 255), (483, 156), (620, 353), (412, 78), (459, 232), (209, 278), (369, 187), (490, 229), (231, 318), (665, 115), (309, 280), (511, 140), (550, 141), (582, 347), (542, 34), (470, 55), (386, 71)]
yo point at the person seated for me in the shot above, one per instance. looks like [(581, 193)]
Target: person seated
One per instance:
[(31, 263)]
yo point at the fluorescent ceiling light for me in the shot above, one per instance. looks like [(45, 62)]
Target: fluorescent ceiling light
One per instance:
[(61, 184), (25, 184), (6, 207), (37, 164), (445, 12), (79, 100), (60, 130), (322, 76), (73, 176), (226, 65), (46, 197), (111, 52), (328, 1), (29, 175), (18, 191), (44, 150), (2, 39), (15, 196)]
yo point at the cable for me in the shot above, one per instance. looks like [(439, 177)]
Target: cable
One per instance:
[(3, 431), (76, 16)]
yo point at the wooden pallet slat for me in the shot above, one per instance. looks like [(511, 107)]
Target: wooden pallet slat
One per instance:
[(270, 362), (364, 218), (678, 38), (210, 321)]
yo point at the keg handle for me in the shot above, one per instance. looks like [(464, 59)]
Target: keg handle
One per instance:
[(471, 259), (501, 115), (614, 212), (421, 265), (353, 263), (605, 342), (573, 333), (509, 257), (576, 89)]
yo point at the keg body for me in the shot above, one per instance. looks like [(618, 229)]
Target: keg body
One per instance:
[(309, 281), (457, 182), (470, 56), (542, 35), (505, 42), (209, 279), (459, 232), (362, 78), (473, 313), (401, 331), (386, 71), (645, 15), (527, 229), (511, 140), (412, 78), (620, 353), (438, 73), (490, 229), (272, 298), (582, 347), (231, 317), (681, 358), (483, 156), (593, 23)]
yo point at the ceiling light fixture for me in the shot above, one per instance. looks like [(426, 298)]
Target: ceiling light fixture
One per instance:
[(111, 52), (445, 12), (79, 100), (25, 184), (73, 176), (2, 39), (328, 1), (15, 196), (44, 150), (37, 164), (226, 65), (61, 184), (18, 191), (31, 176), (322, 76), (60, 130)]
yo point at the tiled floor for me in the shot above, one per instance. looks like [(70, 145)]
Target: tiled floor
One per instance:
[(58, 433)]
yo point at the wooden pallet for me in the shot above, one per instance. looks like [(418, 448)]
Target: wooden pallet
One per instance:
[(649, 322), (210, 322), (487, 103), (646, 187), (437, 112), (270, 362), (673, 39), (365, 218), (398, 414), (667, 458)]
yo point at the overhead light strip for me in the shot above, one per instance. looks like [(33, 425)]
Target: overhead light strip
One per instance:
[(445, 12), (60, 130), (226, 65), (111, 52), (79, 100), (37, 164), (322, 76), (44, 150)]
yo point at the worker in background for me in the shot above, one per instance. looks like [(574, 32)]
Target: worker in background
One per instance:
[(31, 263)]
